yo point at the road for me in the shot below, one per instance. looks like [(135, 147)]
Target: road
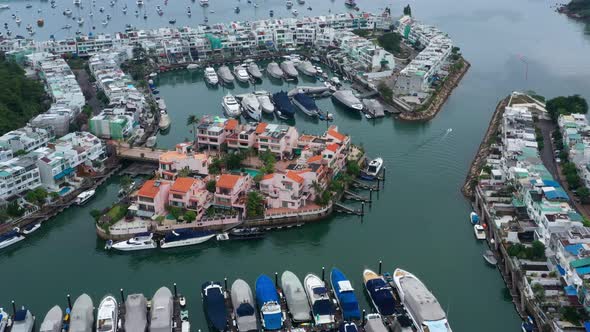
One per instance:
[(88, 90)]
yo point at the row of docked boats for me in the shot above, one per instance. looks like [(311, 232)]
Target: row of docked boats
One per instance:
[(136, 313), (401, 302)]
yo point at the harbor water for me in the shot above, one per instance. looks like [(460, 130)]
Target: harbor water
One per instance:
[(418, 221)]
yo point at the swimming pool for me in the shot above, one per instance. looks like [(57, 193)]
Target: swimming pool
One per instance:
[(63, 191)]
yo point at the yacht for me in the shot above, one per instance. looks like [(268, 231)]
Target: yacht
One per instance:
[(106, 315), (192, 66), (266, 104), (214, 305), (474, 218), (204, 3), (10, 238), (295, 296), (210, 76), (254, 70), (306, 104), (289, 4), (23, 321), (241, 73), (139, 2), (373, 169), (80, 21), (82, 316), (164, 122), (17, 21), (322, 308), (161, 311), (184, 237), (225, 74), (251, 107), (244, 306), (379, 292), (53, 320), (30, 228), (284, 108), (289, 69), (274, 70), (345, 295), (85, 196), (348, 99), (231, 107), (423, 308), (135, 313), (307, 68), (479, 231), (269, 305), (77, 2), (4, 316), (138, 242), (4, 6)]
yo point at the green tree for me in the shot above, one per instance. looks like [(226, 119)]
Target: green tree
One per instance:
[(14, 210), (408, 10), (95, 213), (37, 196), (176, 212), (185, 172), (254, 204), (193, 121), (211, 186), (385, 91), (390, 42), (584, 194), (353, 168), (233, 160), (190, 216), (566, 105), (126, 182), (538, 250), (269, 160), (539, 291), (215, 166)]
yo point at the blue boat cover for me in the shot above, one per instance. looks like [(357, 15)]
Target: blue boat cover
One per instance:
[(281, 99), (346, 297), (323, 307), (306, 101), (561, 270), (380, 293), (320, 290), (20, 315), (185, 233), (587, 326), (245, 309), (267, 293), (347, 327), (214, 304), (8, 236)]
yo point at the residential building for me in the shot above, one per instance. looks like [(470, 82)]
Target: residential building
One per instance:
[(55, 168), (152, 198), (278, 139), (230, 190), (190, 194), (291, 190), (183, 157), (211, 133), (26, 139), (110, 124), (18, 175)]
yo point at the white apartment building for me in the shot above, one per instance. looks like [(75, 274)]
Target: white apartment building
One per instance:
[(26, 139), (18, 175)]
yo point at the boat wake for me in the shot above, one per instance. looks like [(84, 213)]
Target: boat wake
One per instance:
[(436, 138)]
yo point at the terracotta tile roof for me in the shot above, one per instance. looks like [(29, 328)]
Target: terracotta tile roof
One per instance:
[(231, 124), (332, 132), (332, 147), (183, 185), (293, 176), (314, 159), (261, 127), (227, 181), (149, 189), (268, 176)]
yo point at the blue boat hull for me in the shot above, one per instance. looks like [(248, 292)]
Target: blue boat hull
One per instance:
[(346, 297), (266, 292), (214, 305)]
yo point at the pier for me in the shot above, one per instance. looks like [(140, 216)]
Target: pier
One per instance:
[(339, 207), (364, 185), (354, 196)]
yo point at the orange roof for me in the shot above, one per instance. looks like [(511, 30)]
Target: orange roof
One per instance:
[(183, 185), (231, 124), (314, 159), (332, 132), (227, 181), (149, 189), (293, 176), (332, 147), (301, 171), (268, 176), (261, 127)]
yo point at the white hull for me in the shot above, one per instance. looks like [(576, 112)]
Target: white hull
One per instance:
[(479, 232), (29, 231), (12, 241), (84, 197), (187, 242), (106, 317), (124, 246), (310, 283), (164, 121)]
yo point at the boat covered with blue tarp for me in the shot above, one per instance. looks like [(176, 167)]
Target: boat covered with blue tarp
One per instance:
[(345, 295), (268, 303), (214, 303)]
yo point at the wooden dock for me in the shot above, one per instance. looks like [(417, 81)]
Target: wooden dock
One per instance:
[(339, 207)]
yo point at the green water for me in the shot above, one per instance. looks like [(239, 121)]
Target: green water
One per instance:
[(419, 221)]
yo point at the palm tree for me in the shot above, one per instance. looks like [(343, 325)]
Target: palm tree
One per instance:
[(317, 188), (193, 120)]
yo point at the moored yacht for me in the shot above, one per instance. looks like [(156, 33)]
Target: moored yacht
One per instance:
[(284, 108), (254, 70), (135, 313), (379, 292), (184, 237), (53, 320), (225, 74), (82, 317), (23, 321), (479, 231), (251, 107), (138, 242), (269, 305), (10, 238), (306, 104), (306, 68), (214, 304), (266, 104), (84, 196), (107, 315), (231, 106), (164, 122), (345, 295), (161, 311), (211, 76), (317, 294), (204, 3), (244, 306), (241, 73), (348, 99), (474, 218), (289, 69), (296, 299), (274, 70), (30, 228), (373, 169), (423, 308)]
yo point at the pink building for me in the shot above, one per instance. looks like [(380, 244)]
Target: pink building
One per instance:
[(243, 138), (190, 194), (230, 190), (278, 139), (292, 190), (152, 198), (182, 157), (211, 133)]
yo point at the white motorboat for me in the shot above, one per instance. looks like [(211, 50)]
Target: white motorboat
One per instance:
[(106, 315), (211, 76), (17, 21), (289, 3), (490, 257), (266, 104), (4, 320), (192, 66), (204, 3), (317, 294), (164, 122), (80, 21), (52, 322), (82, 316), (10, 238), (295, 12), (423, 308), (4, 6), (254, 70), (289, 69), (251, 107), (225, 74), (31, 228), (23, 321), (230, 106), (274, 70), (373, 169), (139, 242), (479, 231), (348, 99), (139, 2), (83, 197), (241, 73), (185, 237), (151, 141), (306, 68), (161, 313), (77, 2)]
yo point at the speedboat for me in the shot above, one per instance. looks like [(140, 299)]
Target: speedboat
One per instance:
[(379, 292), (4, 316), (274, 70), (474, 218), (77, 2), (295, 12), (284, 108), (106, 315), (289, 69), (345, 295), (241, 73), (31, 228), (204, 3), (244, 306), (306, 68), (10, 238), (53, 320), (82, 316), (306, 104), (348, 99), (237, 10), (135, 313), (269, 305), (184, 237), (164, 122), (423, 308), (192, 66), (289, 3), (139, 2), (479, 231), (373, 169), (251, 107), (296, 299), (4, 6), (214, 304), (17, 21), (210, 76), (350, 3), (139, 242), (80, 21), (225, 74), (490, 257), (161, 311), (374, 323), (230, 106), (319, 301), (23, 321), (254, 70), (83, 197), (265, 103)]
